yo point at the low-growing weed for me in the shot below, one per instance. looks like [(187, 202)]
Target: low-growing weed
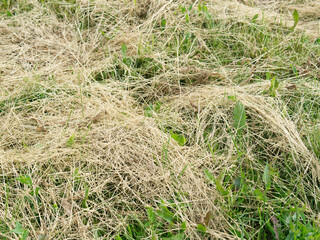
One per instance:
[(163, 223)]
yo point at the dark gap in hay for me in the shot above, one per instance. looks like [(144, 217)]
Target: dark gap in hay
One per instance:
[(14, 7), (143, 8), (314, 144), (65, 9), (310, 103), (197, 76), (140, 67), (147, 67), (25, 99)]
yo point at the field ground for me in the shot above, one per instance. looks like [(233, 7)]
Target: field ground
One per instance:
[(154, 119)]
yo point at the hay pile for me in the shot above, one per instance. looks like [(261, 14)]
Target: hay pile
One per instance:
[(72, 133)]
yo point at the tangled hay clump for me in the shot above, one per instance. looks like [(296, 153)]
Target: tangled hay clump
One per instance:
[(156, 120)]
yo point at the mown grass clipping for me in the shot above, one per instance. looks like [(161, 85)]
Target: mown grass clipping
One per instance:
[(161, 119)]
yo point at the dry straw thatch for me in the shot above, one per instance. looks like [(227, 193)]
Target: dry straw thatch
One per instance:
[(71, 133)]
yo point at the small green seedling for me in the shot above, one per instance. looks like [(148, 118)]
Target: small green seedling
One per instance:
[(9, 14), (267, 177), (152, 109), (258, 194), (220, 188), (126, 60), (84, 202), (217, 182), (35, 192), (272, 91), (20, 231), (70, 141), (233, 98), (25, 179), (255, 17), (209, 175), (295, 19), (239, 117), (295, 71), (163, 22), (124, 50), (166, 214), (179, 138), (201, 228)]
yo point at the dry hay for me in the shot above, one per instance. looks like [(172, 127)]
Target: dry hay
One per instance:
[(211, 103), (124, 158), (274, 10), (121, 159)]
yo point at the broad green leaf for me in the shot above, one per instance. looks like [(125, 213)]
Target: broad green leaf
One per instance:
[(201, 228), (187, 18), (165, 214), (258, 194), (151, 215), (183, 227), (35, 192), (84, 201), (220, 189), (233, 98), (266, 177), (18, 229), (25, 179), (124, 50), (179, 138), (294, 70), (295, 18), (70, 141), (163, 22), (255, 18), (239, 117), (209, 175), (179, 236)]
